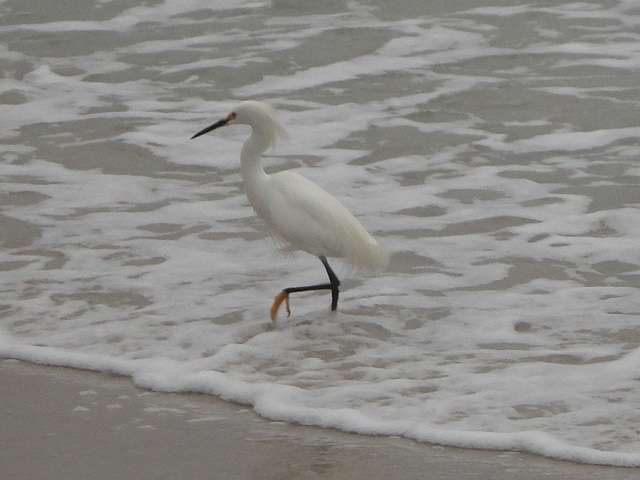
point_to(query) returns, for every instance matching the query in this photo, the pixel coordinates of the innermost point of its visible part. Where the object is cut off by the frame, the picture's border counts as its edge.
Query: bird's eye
(232, 116)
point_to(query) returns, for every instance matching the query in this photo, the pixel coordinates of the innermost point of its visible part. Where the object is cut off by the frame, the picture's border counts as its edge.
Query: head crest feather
(261, 116)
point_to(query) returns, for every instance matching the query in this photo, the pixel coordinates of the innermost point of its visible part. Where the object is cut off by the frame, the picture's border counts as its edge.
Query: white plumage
(305, 216)
(295, 209)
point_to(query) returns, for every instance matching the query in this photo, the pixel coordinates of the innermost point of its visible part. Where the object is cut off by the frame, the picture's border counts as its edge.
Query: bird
(297, 211)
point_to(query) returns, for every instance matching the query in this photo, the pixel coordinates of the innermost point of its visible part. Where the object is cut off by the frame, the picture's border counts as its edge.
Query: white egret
(296, 210)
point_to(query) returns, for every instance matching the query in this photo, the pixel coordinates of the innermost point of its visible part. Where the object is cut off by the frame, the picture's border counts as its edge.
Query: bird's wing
(312, 220)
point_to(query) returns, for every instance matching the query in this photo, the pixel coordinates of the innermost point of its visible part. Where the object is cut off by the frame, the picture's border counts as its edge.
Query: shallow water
(493, 148)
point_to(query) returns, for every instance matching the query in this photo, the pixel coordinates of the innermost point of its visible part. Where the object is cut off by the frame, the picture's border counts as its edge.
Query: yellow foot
(281, 297)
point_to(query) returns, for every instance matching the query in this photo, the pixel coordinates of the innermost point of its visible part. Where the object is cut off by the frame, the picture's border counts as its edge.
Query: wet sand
(65, 424)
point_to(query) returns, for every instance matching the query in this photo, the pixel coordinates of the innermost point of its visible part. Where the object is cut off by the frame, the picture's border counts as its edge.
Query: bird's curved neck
(256, 144)
(250, 164)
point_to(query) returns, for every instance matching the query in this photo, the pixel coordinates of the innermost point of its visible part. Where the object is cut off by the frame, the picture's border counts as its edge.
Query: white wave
(493, 150)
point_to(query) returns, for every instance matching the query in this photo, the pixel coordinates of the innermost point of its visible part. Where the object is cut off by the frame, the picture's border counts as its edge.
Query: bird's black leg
(333, 285)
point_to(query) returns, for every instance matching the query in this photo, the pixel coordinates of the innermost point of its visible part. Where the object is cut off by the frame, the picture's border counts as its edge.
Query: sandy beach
(67, 424)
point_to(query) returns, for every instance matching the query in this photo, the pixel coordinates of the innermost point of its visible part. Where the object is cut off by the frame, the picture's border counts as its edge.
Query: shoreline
(61, 423)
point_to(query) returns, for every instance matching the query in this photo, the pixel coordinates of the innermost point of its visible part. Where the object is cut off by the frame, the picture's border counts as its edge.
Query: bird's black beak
(218, 124)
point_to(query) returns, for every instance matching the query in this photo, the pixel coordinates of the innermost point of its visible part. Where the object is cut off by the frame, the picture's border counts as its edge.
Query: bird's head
(258, 115)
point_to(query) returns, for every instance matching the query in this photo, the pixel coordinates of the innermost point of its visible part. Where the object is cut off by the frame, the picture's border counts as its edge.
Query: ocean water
(492, 146)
